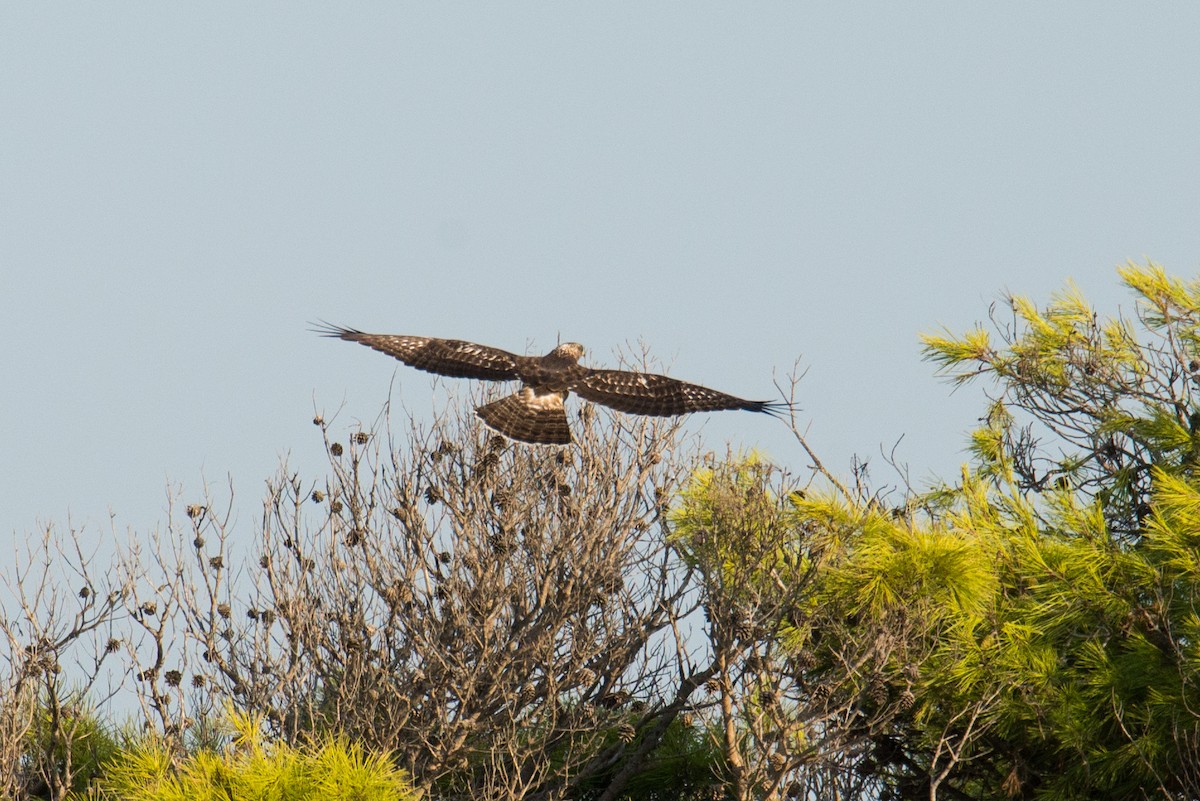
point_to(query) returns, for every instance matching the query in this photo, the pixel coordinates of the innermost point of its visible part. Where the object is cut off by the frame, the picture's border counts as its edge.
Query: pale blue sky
(738, 185)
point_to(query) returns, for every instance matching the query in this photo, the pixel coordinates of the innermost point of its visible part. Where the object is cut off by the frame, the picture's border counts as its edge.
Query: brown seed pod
(877, 689)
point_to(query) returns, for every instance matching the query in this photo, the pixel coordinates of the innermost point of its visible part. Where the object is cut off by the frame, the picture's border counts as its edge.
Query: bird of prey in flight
(535, 413)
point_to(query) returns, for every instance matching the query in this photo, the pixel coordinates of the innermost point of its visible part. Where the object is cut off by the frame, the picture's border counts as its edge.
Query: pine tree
(1085, 487)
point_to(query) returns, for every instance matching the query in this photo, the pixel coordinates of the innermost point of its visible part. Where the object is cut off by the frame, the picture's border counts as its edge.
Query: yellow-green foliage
(892, 562)
(251, 769)
(1085, 491)
(1164, 301)
(1043, 610)
(1066, 344)
(1174, 528)
(949, 351)
(729, 521)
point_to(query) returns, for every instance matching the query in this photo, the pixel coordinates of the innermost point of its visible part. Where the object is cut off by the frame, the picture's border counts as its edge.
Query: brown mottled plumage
(535, 413)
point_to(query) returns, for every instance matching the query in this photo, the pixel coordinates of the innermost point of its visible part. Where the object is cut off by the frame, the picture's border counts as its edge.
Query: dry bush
(500, 616)
(57, 644)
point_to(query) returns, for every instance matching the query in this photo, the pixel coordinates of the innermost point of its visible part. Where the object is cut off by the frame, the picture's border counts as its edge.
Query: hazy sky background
(739, 185)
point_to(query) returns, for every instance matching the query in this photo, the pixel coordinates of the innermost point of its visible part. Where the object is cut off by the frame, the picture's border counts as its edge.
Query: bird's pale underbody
(535, 413)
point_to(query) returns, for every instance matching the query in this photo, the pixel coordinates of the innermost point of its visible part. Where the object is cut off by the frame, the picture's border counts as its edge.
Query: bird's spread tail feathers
(780, 410)
(527, 416)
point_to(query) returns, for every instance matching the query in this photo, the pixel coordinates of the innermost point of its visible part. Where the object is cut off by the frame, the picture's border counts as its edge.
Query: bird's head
(568, 350)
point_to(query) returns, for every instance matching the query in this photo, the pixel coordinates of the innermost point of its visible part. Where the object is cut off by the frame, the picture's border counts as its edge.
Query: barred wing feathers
(448, 357)
(648, 393)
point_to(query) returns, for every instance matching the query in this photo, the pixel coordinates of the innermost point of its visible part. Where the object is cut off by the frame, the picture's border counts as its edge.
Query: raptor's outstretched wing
(648, 393)
(450, 357)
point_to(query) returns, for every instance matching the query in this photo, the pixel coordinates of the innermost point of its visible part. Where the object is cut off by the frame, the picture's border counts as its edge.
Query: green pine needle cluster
(250, 769)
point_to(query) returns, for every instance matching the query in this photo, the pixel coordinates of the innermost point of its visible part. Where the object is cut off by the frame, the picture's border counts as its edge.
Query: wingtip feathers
(336, 331)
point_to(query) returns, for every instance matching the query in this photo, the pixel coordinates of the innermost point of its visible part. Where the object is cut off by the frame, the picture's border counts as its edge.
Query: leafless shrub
(491, 613)
(48, 738)
(180, 598)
